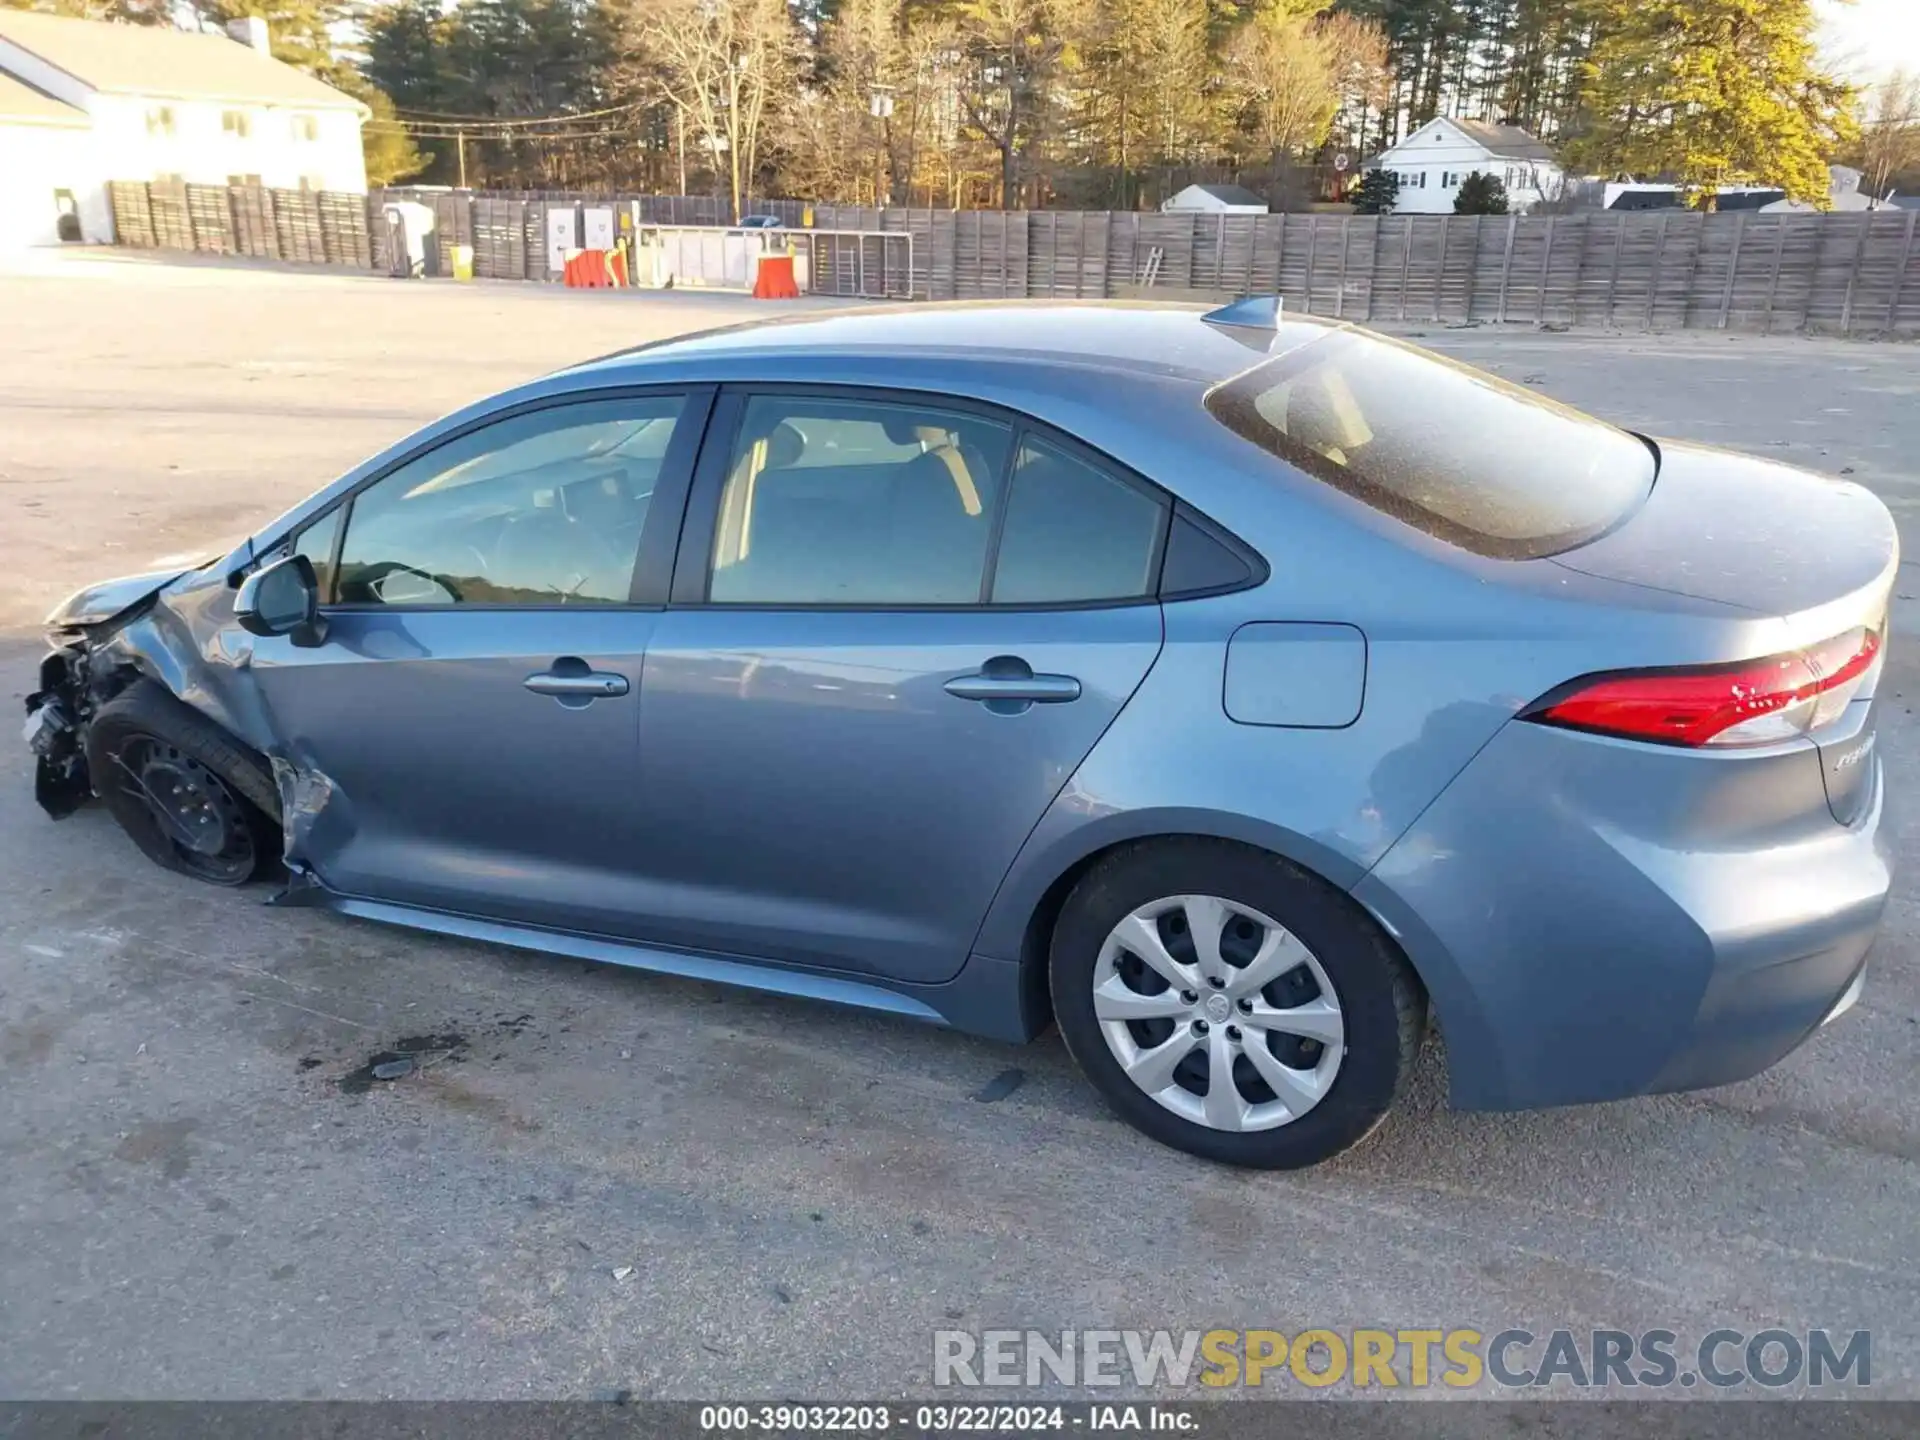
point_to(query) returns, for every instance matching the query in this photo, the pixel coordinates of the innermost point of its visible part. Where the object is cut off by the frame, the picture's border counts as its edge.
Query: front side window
(1453, 451)
(235, 123)
(160, 120)
(831, 502)
(305, 127)
(543, 508)
(316, 543)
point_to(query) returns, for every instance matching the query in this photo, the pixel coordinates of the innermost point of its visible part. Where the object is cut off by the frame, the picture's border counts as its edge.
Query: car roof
(1174, 343)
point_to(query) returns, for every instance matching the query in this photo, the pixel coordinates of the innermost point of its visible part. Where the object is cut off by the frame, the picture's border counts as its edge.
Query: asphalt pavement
(596, 1180)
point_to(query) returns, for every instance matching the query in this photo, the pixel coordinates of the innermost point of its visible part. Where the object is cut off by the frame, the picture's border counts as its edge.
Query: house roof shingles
(1509, 141)
(21, 102)
(166, 63)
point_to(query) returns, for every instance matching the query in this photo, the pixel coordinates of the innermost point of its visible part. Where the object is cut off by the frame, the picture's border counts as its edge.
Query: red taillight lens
(1752, 702)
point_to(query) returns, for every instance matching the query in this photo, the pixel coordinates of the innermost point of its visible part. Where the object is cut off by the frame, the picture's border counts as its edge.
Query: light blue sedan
(1235, 692)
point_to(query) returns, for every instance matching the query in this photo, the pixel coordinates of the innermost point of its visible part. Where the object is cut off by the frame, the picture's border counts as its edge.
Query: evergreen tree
(1377, 193)
(1481, 194)
(1713, 92)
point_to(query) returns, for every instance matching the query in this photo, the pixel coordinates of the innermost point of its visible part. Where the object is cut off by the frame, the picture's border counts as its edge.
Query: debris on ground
(409, 1054)
(621, 1272)
(1000, 1087)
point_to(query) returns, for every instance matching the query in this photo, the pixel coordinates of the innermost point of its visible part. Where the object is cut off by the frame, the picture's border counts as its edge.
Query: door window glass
(316, 543)
(544, 508)
(1074, 533)
(831, 502)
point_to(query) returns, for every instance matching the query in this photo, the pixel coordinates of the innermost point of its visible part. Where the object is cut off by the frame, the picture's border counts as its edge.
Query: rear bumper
(1594, 922)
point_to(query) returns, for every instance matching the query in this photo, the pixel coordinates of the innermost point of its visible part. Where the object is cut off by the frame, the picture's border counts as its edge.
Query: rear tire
(1202, 1084)
(186, 792)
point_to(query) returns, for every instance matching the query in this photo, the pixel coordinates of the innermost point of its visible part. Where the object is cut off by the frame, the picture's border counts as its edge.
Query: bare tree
(724, 65)
(1013, 52)
(1890, 132)
(1291, 72)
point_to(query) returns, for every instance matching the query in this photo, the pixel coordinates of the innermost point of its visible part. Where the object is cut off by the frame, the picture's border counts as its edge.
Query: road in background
(604, 1180)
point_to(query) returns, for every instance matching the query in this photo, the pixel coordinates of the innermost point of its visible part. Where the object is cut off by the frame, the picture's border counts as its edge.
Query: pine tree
(1712, 92)
(1481, 194)
(1377, 193)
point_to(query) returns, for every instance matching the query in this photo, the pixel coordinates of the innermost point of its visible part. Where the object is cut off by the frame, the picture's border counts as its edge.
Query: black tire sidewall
(145, 711)
(1349, 946)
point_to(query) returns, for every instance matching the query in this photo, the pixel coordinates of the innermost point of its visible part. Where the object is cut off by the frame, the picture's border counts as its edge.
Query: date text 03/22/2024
(946, 1419)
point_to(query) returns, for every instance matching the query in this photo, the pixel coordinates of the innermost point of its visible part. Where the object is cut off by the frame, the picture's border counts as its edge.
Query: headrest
(785, 446)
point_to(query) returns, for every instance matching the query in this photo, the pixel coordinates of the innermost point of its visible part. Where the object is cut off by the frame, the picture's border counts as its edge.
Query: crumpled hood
(107, 598)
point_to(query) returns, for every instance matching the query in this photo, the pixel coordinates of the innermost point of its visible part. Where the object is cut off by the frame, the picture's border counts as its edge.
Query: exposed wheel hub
(1219, 1013)
(191, 810)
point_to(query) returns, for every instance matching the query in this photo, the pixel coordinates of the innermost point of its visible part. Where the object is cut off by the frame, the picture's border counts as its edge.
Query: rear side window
(1074, 534)
(1467, 458)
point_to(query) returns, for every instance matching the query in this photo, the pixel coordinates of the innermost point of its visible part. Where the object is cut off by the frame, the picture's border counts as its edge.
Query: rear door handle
(1009, 679)
(573, 683)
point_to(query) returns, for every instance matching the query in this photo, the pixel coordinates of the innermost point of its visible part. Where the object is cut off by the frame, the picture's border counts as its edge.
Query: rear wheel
(1231, 1005)
(191, 797)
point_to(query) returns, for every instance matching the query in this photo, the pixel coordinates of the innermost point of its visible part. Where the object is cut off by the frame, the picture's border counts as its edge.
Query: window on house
(234, 123)
(160, 120)
(1423, 179)
(305, 127)
(313, 184)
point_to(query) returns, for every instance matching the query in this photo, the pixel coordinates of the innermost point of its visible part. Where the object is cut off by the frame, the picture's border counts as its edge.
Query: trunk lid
(1818, 554)
(1749, 532)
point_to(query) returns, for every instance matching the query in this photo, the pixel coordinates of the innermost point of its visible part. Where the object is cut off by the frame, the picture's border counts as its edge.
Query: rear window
(1467, 458)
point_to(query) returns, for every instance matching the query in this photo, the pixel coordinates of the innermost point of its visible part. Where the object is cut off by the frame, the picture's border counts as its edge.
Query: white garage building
(85, 102)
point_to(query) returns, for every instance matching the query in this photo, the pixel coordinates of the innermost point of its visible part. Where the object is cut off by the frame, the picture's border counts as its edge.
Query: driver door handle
(571, 679)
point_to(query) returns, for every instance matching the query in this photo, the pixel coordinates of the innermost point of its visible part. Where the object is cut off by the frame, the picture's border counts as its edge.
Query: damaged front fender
(56, 713)
(172, 628)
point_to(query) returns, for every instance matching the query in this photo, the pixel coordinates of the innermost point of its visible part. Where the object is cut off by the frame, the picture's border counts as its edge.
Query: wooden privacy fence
(1856, 272)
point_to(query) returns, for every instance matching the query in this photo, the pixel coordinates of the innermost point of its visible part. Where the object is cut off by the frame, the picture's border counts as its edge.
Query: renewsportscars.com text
(1459, 1359)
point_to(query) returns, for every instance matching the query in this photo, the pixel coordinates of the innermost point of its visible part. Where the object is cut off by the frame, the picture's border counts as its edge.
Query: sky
(1869, 38)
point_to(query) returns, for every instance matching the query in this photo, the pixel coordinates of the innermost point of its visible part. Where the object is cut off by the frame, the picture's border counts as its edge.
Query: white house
(1434, 160)
(1215, 200)
(86, 102)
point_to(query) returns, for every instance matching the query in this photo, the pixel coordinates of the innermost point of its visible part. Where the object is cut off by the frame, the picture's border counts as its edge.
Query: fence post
(1853, 274)
(1546, 275)
(1506, 271)
(1773, 281)
(1733, 269)
(1900, 275)
(1406, 260)
(1280, 254)
(1340, 284)
(1659, 259)
(1313, 235)
(1613, 282)
(1440, 270)
(1693, 271)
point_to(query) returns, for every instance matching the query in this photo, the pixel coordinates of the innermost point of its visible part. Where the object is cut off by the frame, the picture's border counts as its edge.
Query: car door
(468, 725)
(899, 625)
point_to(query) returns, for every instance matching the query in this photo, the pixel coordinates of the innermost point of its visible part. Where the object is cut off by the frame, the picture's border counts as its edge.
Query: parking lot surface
(603, 1180)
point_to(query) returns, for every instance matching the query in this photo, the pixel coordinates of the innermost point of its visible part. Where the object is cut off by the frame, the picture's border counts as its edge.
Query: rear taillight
(1751, 702)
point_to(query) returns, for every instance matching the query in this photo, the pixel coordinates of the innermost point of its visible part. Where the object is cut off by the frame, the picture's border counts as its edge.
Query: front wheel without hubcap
(1232, 1005)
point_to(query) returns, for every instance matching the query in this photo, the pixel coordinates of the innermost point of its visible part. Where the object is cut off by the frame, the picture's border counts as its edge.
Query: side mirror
(282, 599)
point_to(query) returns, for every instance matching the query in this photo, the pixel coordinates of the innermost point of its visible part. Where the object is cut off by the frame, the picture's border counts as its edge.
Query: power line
(491, 122)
